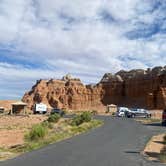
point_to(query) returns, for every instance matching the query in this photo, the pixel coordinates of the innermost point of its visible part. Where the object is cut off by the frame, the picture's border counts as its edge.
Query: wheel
(133, 116)
(163, 123)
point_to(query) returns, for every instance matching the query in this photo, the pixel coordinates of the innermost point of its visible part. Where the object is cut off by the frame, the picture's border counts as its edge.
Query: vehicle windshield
(134, 109)
(55, 110)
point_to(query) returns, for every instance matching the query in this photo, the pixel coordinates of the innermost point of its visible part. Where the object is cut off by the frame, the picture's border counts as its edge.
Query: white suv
(122, 111)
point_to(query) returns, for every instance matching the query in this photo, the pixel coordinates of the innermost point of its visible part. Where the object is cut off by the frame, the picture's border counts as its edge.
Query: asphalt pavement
(117, 143)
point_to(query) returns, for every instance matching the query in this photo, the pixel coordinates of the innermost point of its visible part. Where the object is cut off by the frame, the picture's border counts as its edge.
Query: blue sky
(50, 38)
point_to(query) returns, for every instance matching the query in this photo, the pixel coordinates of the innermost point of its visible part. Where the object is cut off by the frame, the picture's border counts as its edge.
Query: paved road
(117, 143)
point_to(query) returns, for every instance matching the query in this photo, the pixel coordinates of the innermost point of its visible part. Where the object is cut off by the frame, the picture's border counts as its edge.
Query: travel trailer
(40, 108)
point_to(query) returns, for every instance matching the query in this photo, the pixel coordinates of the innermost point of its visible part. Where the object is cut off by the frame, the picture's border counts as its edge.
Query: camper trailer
(40, 108)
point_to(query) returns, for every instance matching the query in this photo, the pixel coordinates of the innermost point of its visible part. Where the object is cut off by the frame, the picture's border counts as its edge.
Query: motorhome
(40, 108)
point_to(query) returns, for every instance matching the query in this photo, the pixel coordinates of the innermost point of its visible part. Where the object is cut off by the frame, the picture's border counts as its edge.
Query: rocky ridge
(135, 88)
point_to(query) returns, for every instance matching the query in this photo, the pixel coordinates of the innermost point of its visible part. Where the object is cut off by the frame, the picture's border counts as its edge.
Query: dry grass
(14, 143)
(13, 128)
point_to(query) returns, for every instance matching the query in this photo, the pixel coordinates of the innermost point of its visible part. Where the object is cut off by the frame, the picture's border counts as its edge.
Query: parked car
(57, 111)
(132, 113)
(122, 111)
(164, 118)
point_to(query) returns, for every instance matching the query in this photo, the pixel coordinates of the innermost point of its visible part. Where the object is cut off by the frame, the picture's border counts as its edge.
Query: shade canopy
(19, 103)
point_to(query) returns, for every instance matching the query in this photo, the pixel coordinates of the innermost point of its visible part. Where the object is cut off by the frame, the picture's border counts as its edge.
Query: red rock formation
(68, 93)
(135, 88)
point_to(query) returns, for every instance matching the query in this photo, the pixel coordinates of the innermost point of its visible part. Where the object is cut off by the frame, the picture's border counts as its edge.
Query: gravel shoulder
(154, 147)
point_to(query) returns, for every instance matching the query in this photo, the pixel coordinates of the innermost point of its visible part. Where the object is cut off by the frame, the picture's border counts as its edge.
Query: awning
(19, 103)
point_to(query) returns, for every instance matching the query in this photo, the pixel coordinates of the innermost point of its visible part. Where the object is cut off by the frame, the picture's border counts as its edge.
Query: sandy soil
(13, 128)
(6, 104)
(154, 147)
(11, 138)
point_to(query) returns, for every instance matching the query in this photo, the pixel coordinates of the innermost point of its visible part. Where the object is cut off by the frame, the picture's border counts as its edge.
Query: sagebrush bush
(86, 116)
(47, 124)
(162, 158)
(113, 114)
(37, 132)
(94, 112)
(79, 119)
(53, 118)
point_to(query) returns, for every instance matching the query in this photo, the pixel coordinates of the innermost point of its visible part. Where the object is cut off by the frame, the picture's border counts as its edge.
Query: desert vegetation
(52, 129)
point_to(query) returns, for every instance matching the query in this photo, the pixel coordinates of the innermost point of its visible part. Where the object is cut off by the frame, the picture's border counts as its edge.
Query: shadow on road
(154, 124)
(160, 142)
(133, 152)
(153, 154)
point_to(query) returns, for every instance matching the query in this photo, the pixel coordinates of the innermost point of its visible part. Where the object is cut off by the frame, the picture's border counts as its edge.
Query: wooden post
(25, 110)
(11, 112)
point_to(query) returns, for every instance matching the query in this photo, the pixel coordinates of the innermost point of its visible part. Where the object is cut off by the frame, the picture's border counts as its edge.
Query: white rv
(40, 108)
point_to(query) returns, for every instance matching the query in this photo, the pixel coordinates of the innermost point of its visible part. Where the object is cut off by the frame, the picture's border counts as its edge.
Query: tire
(132, 116)
(163, 123)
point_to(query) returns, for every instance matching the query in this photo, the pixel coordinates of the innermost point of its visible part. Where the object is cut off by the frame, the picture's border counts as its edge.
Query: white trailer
(40, 108)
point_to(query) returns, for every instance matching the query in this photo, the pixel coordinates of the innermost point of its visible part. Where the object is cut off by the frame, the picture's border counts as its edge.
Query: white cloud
(76, 37)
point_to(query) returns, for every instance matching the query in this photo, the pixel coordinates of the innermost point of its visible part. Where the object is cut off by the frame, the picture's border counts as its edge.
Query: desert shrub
(64, 111)
(94, 112)
(86, 116)
(79, 119)
(162, 157)
(47, 124)
(113, 114)
(53, 118)
(37, 132)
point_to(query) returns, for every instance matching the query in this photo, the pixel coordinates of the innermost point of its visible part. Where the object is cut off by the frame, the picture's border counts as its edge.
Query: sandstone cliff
(66, 93)
(135, 88)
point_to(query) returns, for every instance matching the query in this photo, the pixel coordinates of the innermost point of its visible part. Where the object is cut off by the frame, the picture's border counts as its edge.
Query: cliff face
(69, 94)
(135, 88)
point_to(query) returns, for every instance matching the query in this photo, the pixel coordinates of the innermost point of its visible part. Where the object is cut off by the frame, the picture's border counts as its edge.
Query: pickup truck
(57, 111)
